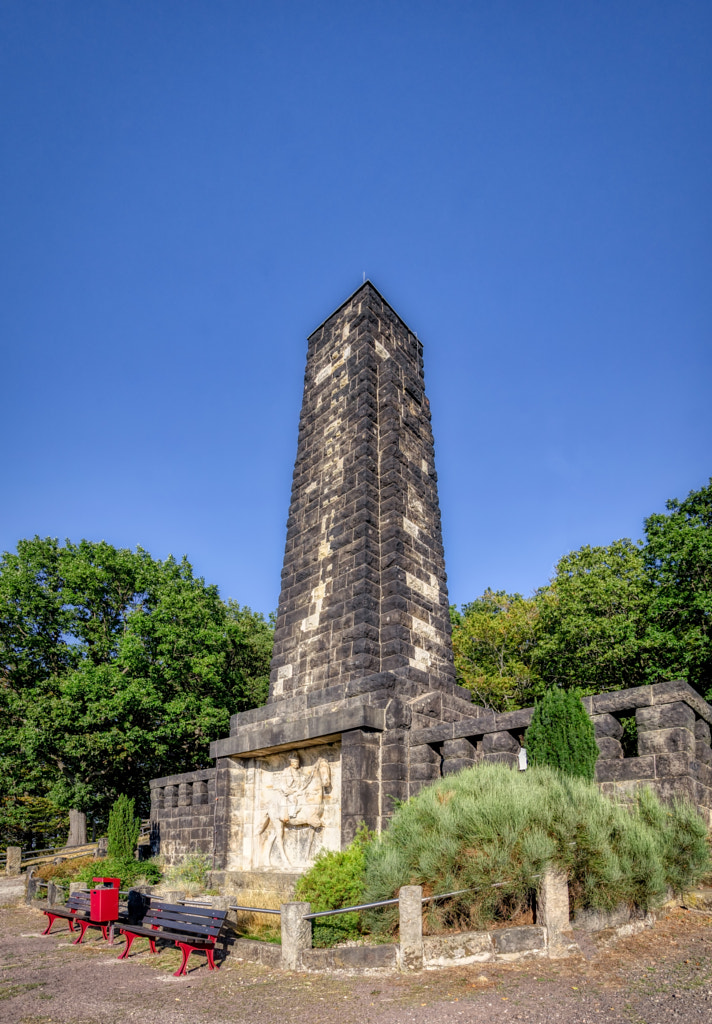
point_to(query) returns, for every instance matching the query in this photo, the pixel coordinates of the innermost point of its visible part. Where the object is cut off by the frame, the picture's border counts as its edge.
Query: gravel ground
(663, 974)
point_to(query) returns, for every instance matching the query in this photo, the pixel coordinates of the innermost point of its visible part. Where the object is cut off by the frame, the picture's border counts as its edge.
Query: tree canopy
(116, 668)
(611, 617)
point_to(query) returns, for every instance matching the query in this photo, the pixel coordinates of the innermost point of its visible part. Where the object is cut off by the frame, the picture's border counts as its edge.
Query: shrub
(561, 734)
(67, 869)
(191, 872)
(489, 824)
(124, 828)
(335, 880)
(131, 872)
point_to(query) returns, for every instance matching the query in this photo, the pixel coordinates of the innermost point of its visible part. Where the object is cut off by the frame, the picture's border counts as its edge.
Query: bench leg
(211, 962)
(129, 940)
(83, 925)
(186, 950)
(52, 919)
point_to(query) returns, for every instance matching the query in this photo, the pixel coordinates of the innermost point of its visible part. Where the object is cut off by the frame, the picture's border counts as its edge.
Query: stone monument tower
(363, 705)
(362, 648)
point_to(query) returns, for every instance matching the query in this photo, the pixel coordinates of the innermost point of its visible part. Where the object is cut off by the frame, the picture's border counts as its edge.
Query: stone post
(553, 910)
(77, 887)
(54, 894)
(410, 927)
(296, 934)
(14, 860)
(30, 886)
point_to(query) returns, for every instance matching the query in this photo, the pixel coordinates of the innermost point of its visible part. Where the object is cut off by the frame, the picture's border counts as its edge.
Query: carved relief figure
(297, 800)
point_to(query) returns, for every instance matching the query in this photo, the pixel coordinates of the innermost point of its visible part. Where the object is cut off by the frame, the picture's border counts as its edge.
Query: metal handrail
(259, 910)
(389, 903)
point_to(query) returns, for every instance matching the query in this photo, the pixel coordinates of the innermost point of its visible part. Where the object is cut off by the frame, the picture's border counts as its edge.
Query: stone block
(702, 731)
(452, 765)
(528, 939)
(607, 725)
(627, 769)
(426, 771)
(422, 754)
(703, 752)
(467, 947)
(672, 765)
(461, 747)
(609, 747)
(665, 716)
(666, 741)
(501, 757)
(499, 742)
(622, 700)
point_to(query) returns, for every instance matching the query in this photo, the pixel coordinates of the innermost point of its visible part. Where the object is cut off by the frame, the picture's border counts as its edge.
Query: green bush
(561, 734)
(131, 872)
(124, 828)
(336, 879)
(489, 824)
(191, 872)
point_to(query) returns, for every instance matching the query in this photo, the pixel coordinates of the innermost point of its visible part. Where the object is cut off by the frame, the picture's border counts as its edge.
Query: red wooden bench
(76, 912)
(192, 929)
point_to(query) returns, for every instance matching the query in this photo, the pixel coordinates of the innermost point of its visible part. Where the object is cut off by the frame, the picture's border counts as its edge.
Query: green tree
(493, 642)
(124, 829)
(678, 561)
(115, 668)
(561, 734)
(594, 630)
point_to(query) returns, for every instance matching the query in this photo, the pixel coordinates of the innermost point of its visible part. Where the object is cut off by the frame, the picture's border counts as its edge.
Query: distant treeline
(611, 617)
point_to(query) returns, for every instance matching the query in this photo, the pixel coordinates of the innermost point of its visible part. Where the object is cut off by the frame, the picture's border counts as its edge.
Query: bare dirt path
(659, 976)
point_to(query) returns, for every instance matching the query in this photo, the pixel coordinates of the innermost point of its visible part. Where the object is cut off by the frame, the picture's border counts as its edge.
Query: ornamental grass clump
(489, 825)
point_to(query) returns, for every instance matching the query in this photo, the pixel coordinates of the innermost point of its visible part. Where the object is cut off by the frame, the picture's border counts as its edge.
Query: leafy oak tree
(678, 561)
(594, 622)
(493, 641)
(115, 668)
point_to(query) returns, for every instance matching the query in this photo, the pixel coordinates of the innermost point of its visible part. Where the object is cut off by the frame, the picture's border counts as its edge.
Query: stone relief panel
(285, 808)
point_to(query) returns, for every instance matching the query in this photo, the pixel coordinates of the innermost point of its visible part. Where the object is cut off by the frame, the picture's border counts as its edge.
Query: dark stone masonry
(363, 696)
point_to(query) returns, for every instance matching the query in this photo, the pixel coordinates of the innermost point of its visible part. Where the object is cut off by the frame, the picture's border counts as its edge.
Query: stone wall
(674, 756)
(183, 815)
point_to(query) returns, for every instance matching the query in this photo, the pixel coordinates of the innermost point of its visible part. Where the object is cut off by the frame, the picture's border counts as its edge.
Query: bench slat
(185, 927)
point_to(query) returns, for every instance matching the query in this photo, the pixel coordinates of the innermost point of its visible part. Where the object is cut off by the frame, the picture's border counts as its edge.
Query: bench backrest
(203, 923)
(79, 901)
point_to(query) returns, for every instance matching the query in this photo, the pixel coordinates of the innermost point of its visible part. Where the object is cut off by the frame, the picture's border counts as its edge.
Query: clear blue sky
(188, 189)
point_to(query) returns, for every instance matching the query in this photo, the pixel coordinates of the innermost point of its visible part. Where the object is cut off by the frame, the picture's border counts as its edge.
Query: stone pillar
(553, 911)
(170, 796)
(55, 895)
(296, 934)
(359, 782)
(14, 860)
(185, 794)
(410, 927)
(30, 887)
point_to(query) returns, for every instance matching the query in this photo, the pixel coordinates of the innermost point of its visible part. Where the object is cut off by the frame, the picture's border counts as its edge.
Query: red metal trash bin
(104, 905)
(113, 882)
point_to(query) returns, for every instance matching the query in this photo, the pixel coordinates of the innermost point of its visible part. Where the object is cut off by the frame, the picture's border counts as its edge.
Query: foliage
(594, 631)
(335, 880)
(678, 560)
(493, 639)
(116, 668)
(131, 872)
(32, 822)
(488, 825)
(190, 873)
(68, 868)
(561, 734)
(124, 828)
